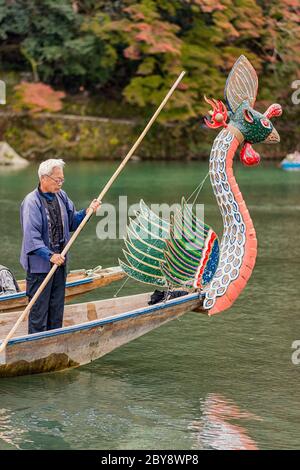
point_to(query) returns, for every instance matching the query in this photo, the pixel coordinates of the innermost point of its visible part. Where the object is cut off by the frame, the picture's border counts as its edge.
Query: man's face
(53, 183)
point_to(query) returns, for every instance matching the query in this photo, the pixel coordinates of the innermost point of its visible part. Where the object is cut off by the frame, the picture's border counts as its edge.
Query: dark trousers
(47, 312)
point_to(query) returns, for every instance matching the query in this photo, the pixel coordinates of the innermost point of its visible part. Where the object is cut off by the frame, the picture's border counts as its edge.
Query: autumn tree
(37, 97)
(136, 48)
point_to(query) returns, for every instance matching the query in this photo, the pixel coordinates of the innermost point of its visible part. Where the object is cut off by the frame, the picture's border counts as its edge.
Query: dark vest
(56, 230)
(3, 268)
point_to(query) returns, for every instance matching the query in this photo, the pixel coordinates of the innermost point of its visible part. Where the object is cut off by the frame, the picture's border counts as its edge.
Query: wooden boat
(291, 162)
(90, 331)
(78, 282)
(186, 256)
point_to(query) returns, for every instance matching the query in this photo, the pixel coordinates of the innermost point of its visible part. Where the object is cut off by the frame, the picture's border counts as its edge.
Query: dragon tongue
(248, 155)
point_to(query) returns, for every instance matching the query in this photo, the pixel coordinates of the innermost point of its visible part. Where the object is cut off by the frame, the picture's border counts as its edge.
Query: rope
(198, 189)
(122, 286)
(91, 272)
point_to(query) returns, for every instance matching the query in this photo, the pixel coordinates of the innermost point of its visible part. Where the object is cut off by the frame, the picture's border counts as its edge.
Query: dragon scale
(238, 244)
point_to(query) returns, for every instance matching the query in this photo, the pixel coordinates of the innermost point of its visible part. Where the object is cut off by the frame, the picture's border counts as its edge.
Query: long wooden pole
(89, 214)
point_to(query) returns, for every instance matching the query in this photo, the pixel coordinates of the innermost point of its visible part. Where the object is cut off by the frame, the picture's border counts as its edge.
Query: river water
(226, 382)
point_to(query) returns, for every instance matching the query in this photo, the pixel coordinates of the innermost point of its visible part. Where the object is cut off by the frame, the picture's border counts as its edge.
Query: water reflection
(215, 429)
(74, 409)
(99, 408)
(10, 435)
(144, 395)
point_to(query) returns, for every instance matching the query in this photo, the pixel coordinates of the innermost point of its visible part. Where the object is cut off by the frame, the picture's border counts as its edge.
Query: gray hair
(47, 167)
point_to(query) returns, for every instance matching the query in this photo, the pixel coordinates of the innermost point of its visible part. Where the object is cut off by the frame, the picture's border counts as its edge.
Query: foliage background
(119, 58)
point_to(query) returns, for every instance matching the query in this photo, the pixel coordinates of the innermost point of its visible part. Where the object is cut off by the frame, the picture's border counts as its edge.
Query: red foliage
(135, 13)
(147, 34)
(209, 6)
(132, 52)
(159, 36)
(38, 97)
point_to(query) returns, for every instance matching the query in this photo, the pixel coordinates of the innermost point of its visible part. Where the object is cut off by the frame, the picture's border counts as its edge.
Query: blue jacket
(35, 229)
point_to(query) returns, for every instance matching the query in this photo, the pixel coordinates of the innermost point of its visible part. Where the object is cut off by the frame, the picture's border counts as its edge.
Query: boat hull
(80, 344)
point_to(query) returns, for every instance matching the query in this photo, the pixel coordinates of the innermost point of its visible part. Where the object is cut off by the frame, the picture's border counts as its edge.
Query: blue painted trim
(87, 280)
(290, 166)
(92, 324)
(19, 295)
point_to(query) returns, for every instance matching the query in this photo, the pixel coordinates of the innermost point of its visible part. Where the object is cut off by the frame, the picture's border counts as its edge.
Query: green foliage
(134, 49)
(154, 41)
(47, 36)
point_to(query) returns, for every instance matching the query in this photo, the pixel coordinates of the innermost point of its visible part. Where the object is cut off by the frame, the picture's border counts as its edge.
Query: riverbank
(78, 137)
(104, 127)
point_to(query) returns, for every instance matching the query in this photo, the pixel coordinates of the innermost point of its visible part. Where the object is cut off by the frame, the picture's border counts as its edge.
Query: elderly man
(47, 218)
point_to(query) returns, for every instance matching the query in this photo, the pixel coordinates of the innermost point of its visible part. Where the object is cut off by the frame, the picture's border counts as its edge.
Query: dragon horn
(275, 110)
(218, 114)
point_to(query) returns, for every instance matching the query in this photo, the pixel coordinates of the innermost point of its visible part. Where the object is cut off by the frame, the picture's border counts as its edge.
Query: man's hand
(94, 205)
(57, 259)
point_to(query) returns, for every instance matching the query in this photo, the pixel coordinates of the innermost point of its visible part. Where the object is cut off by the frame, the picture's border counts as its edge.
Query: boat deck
(78, 314)
(90, 331)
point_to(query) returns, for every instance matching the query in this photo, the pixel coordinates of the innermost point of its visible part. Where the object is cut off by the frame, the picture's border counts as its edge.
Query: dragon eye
(248, 116)
(266, 123)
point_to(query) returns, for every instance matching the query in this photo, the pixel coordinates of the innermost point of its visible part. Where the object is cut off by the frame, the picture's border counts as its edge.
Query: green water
(219, 383)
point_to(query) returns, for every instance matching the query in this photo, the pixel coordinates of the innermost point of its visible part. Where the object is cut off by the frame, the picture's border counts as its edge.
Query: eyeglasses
(57, 180)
